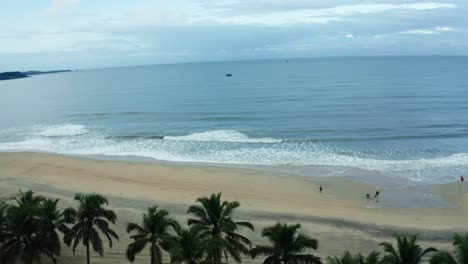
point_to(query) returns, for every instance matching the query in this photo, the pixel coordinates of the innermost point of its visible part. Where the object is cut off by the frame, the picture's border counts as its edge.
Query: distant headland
(18, 75)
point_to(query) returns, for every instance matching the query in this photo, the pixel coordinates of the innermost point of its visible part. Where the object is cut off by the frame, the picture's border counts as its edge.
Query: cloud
(268, 6)
(108, 32)
(419, 31)
(314, 15)
(232, 13)
(378, 8)
(444, 29)
(59, 7)
(435, 30)
(274, 19)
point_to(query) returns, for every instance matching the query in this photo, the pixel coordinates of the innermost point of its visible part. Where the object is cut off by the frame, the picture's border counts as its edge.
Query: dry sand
(340, 218)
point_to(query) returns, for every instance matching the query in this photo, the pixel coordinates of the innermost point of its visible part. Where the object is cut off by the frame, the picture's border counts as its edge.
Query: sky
(83, 34)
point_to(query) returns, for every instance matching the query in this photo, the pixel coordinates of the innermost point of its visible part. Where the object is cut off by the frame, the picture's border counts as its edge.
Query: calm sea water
(400, 117)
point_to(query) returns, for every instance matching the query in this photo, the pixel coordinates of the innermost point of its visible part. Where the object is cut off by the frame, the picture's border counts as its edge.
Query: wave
(132, 137)
(62, 130)
(109, 114)
(231, 147)
(434, 136)
(212, 152)
(222, 136)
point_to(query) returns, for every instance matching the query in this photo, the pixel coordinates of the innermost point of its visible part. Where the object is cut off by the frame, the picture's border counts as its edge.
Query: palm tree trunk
(152, 251)
(87, 252)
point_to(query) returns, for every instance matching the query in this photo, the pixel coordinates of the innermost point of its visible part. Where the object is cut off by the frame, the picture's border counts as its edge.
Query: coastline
(340, 211)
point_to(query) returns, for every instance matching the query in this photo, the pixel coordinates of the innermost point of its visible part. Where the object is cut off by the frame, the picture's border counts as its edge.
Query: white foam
(216, 147)
(222, 136)
(62, 130)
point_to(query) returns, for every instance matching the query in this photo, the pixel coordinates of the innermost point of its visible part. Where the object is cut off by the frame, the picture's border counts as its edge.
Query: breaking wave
(223, 146)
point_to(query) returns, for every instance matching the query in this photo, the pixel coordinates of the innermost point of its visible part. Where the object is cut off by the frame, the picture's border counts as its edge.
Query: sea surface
(402, 119)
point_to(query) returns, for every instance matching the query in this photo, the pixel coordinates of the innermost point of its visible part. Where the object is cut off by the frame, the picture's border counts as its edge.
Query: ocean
(402, 119)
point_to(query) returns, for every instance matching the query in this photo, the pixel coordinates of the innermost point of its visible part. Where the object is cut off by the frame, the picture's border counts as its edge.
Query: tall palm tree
(26, 235)
(287, 246)
(461, 252)
(154, 230)
(187, 247)
(90, 218)
(53, 220)
(407, 251)
(3, 221)
(347, 258)
(213, 218)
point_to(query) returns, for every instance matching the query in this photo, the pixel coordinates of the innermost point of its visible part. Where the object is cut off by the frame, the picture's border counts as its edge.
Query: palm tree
(287, 246)
(54, 220)
(407, 251)
(91, 217)
(372, 258)
(213, 219)
(461, 252)
(187, 247)
(3, 221)
(154, 231)
(3, 225)
(25, 234)
(347, 258)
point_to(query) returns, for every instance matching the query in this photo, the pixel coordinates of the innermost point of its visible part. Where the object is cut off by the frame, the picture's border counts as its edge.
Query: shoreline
(265, 197)
(371, 177)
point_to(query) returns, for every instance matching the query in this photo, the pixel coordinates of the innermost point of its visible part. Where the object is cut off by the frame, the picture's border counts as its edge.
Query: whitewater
(228, 147)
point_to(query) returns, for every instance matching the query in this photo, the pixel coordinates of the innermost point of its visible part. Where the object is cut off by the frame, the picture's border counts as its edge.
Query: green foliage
(348, 258)
(90, 218)
(213, 219)
(30, 225)
(288, 246)
(372, 258)
(28, 229)
(153, 231)
(187, 247)
(406, 252)
(461, 252)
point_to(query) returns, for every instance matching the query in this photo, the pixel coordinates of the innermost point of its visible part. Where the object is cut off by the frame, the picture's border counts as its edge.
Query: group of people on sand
(377, 193)
(376, 196)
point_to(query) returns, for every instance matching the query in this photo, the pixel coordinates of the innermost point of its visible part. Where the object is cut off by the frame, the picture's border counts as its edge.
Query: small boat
(228, 75)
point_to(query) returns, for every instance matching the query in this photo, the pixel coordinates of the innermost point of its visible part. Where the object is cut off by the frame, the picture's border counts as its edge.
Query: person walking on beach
(376, 196)
(320, 188)
(462, 179)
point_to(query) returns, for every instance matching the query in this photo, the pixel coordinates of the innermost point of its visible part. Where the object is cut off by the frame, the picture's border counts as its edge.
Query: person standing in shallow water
(376, 196)
(462, 179)
(320, 188)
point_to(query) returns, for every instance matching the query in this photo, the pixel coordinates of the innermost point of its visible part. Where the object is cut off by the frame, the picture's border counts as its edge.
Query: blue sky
(79, 34)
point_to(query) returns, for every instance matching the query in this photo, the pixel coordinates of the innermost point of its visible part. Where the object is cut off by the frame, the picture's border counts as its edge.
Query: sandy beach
(340, 217)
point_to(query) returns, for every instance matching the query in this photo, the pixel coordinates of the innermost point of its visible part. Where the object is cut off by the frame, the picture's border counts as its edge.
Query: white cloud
(435, 30)
(59, 7)
(444, 29)
(419, 31)
(217, 14)
(274, 19)
(317, 15)
(378, 8)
